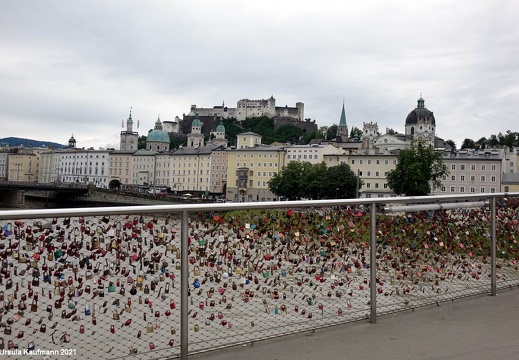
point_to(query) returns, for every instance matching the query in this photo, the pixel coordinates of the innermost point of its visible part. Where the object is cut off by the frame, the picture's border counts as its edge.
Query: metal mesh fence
(109, 287)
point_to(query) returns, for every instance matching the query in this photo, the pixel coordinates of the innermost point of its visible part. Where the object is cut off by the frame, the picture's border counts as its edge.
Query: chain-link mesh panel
(109, 287)
(266, 274)
(99, 287)
(429, 258)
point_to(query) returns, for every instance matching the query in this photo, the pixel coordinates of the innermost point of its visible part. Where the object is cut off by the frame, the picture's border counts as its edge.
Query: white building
(311, 153)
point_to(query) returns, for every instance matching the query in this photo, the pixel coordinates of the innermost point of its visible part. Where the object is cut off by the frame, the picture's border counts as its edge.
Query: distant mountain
(14, 141)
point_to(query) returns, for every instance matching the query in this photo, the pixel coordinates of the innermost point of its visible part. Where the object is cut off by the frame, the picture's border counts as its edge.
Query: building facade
(129, 138)
(250, 167)
(473, 171)
(246, 108)
(121, 168)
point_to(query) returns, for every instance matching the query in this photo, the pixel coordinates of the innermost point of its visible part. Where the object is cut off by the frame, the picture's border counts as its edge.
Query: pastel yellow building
(250, 167)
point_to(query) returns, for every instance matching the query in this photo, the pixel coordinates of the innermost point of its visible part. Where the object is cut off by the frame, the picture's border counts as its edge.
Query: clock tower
(129, 137)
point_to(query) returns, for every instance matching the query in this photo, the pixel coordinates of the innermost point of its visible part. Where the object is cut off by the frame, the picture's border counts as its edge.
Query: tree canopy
(304, 180)
(417, 168)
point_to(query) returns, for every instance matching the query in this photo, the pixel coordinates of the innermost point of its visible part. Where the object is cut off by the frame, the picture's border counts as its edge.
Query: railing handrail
(178, 208)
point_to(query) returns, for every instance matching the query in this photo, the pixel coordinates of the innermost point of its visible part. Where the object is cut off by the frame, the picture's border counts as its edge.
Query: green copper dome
(196, 122)
(220, 128)
(157, 134)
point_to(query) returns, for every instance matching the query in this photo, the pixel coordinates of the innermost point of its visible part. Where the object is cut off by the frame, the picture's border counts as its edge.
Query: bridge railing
(169, 280)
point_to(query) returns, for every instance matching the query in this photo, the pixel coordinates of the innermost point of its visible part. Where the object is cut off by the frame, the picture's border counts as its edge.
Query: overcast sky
(78, 66)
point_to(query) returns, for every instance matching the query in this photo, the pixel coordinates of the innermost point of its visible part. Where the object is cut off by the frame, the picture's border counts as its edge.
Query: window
(492, 190)
(462, 177)
(493, 178)
(472, 178)
(376, 185)
(462, 167)
(377, 173)
(386, 162)
(352, 161)
(472, 189)
(453, 189)
(369, 173)
(369, 162)
(483, 167)
(462, 189)
(482, 190)
(360, 162)
(378, 162)
(473, 167)
(444, 177)
(453, 167)
(443, 188)
(507, 188)
(493, 167)
(368, 185)
(453, 177)
(483, 178)
(386, 186)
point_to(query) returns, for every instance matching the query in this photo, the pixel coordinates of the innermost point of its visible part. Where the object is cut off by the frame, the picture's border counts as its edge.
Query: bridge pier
(12, 199)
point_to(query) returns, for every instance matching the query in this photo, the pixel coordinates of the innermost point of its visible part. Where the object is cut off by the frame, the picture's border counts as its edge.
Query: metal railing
(102, 282)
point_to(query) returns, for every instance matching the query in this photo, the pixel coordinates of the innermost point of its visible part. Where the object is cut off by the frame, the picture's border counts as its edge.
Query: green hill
(15, 141)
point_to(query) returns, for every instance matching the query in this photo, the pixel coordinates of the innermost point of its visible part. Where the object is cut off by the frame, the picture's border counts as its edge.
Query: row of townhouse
(242, 173)
(470, 171)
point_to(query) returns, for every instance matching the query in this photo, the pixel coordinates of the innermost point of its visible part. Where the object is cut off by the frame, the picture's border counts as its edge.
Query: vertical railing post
(373, 264)
(493, 284)
(184, 287)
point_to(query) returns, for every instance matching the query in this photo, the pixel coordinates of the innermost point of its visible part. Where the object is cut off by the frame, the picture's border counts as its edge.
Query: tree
(331, 132)
(391, 131)
(493, 141)
(310, 135)
(340, 183)
(451, 143)
(141, 142)
(288, 181)
(468, 144)
(323, 130)
(355, 132)
(304, 180)
(417, 168)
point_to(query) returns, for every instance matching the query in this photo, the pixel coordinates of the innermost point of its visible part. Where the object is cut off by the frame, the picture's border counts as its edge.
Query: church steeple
(158, 123)
(342, 129)
(421, 102)
(129, 122)
(72, 142)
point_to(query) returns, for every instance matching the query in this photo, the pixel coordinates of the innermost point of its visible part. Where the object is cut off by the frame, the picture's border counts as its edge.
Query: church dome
(220, 128)
(196, 122)
(157, 134)
(419, 113)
